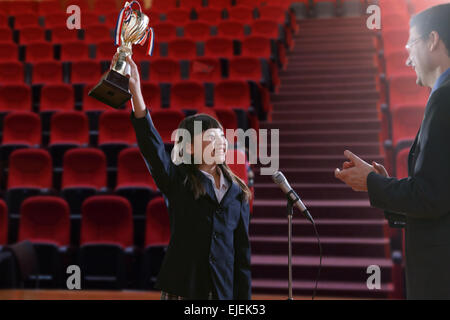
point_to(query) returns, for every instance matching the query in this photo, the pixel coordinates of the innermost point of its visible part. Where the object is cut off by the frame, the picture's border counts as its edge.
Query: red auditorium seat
(21, 6)
(248, 3)
(394, 21)
(166, 122)
(84, 174)
(26, 20)
(152, 95)
(393, 6)
(69, 129)
(57, 97)
(4, 21)
(190, 4)
(132, 171)
(88, 20)
(205, 70)
(266, 28)
(134, 181)
(401, 162)
(178, 17)
(274, 13)
(105, 6)
(165, 70)
(395, 40)
(257, 46)
(420, 5)
(140, 53)
(241, 13)
(11, 73)
(49, 72)
(97, 32)
(6, 35)
(182, 49)
(165, 31)
(245, 68)
(115, 129)
(83, 4)
(219, 4)
(3, 223)
(406, 121)
(30, 168)
(53, 20)
(395, 64)
(210, 15)
(9, 52)
(62, 34)
(85, 71)
(157, 223)
(105, 50)
(403, 90)
(231, 29)
(163, 5)
(74, 51)
(157, 237)
(218, 47)
(31, 34)
(45, 219)
(39, 51)
(197, 31)
(84, 167)
(115, 133)
(48, 7)
(232, 94)
(21, 129)
(19, 101)
(106, 231)
(227, 118)
(4, 7)
(30, 173)
(187, 95)
(107, 219)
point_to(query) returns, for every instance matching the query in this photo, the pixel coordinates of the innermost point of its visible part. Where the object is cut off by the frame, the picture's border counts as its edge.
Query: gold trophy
(132, 28)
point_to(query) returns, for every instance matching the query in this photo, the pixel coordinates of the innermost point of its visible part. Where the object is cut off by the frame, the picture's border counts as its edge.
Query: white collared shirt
(224, 184)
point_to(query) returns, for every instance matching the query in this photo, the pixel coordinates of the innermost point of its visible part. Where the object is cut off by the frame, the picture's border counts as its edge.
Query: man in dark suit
(421, 202)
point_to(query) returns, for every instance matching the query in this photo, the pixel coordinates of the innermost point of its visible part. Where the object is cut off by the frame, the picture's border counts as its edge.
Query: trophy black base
(112, 90)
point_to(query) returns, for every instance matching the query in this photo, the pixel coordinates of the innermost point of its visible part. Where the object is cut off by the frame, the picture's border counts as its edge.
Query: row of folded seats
(109, 233)
(105, 251)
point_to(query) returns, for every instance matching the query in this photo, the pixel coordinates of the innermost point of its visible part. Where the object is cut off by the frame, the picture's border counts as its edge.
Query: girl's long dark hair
(192, 179)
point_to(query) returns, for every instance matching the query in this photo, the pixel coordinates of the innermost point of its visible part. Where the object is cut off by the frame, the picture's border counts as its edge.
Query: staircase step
(327, 105)
(330, 95)
(289, 88)
(325, 79)
(266, 227)
(314, 191)
(308, 125)
(303, 175)
(319, 209)
(333, 268)
(325, 288)
(325, 148)
(308, 246)
(323, 115)
(326, 134)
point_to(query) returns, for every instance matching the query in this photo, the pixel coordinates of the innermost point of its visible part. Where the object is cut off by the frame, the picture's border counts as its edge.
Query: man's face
(417, 58)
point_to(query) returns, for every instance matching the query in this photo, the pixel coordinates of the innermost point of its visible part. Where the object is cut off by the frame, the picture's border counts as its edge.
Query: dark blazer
(209, 247)
(421, 202)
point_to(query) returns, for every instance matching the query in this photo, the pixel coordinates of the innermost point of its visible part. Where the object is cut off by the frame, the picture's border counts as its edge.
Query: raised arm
(149, 141)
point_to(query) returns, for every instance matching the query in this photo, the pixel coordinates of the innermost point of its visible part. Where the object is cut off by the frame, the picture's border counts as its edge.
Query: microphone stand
(290, 205)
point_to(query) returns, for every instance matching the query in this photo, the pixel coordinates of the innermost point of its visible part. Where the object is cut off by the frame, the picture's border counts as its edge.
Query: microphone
(293, 197)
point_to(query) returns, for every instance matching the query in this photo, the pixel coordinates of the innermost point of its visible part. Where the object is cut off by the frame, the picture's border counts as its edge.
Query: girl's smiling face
(213, 146)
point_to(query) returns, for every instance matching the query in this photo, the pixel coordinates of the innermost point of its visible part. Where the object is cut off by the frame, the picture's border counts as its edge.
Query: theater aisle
(327, 103)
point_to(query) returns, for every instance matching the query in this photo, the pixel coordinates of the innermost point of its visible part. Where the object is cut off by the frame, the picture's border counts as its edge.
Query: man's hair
(437, 19)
